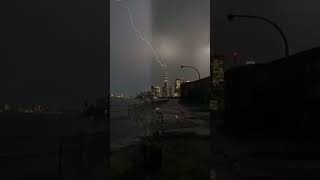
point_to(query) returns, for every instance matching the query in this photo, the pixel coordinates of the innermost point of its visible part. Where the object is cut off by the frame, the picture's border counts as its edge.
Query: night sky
(181, 34)
(180, 31)
(130, 58)
(53, 52)
(255, 40)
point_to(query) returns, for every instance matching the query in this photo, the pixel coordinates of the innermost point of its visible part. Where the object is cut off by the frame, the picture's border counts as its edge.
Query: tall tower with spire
(165, 88)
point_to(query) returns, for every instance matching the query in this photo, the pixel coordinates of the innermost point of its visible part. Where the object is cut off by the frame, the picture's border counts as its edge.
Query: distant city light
(120, 95)
(235, 54)
(250, 62)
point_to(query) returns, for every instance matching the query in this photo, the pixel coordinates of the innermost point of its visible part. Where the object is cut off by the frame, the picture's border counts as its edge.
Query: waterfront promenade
(186, 152)
(184, 142)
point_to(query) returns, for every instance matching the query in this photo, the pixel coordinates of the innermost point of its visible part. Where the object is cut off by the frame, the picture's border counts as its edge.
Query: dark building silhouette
(280, 97)
(195, 92)
(199, 91)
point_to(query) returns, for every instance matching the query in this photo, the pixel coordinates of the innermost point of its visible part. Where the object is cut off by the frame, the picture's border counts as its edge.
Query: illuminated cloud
(168, 48)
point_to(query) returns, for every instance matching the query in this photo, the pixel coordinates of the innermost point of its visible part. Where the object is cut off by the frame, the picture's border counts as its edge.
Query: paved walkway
(252, 157)
(264, 158)
(276, 161)
(177, 118)
(185, 154)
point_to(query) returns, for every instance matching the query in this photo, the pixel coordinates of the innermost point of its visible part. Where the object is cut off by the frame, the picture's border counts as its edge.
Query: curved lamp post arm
(193, 69)
(233, 16)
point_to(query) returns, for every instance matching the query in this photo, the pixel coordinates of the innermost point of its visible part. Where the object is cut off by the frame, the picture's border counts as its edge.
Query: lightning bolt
(125, 5)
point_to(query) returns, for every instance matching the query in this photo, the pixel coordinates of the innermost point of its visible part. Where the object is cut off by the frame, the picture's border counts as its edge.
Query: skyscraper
(217, 93)
(218, 70)
(165, 88)
(177, 88)
(156, 91)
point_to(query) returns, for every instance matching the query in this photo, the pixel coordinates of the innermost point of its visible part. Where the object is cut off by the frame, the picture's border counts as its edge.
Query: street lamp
(232, 17)
(193, 69)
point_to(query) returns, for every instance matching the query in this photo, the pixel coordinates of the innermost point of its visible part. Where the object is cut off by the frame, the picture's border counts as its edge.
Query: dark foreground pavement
(264, 156)
(185, 148)
(182, 158)
(186, 152)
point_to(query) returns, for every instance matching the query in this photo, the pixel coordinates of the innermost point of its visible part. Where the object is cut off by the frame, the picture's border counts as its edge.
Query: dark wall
(275, 97)
(196, 92)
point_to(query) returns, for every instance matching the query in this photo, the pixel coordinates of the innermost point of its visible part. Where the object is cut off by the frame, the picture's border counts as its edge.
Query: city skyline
(173, 37)
(63, 60)
(149, 17)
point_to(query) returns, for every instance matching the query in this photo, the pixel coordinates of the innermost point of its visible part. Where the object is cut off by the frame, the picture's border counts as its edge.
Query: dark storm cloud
(53, 52)
(179, 30)
(130, 57)
(181, 33)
